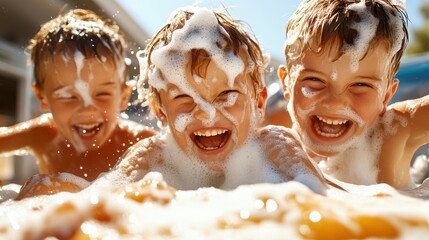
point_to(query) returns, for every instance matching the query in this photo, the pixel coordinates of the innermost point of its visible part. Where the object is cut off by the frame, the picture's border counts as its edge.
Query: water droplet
(315, 216)
(244, 214)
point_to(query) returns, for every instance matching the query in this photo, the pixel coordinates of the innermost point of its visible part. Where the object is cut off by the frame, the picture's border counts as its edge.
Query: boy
(80, 71)
(342, 57)
(205, 78)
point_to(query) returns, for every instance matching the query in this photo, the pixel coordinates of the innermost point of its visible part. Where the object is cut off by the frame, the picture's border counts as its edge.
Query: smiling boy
(205, 78)
(80, 71)
(342, 57)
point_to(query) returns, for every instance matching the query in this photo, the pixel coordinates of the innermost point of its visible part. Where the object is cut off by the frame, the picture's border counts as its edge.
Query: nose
(335, 100)
(87, 110)
(204, 113)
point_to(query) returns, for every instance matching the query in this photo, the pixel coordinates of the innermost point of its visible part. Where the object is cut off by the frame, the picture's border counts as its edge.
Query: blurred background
(140, 19)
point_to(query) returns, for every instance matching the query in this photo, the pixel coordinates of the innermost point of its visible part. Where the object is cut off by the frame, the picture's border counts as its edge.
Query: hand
(45, 184)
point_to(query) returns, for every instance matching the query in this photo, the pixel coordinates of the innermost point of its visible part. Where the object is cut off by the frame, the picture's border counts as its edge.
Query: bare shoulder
(146, 146)
(283, 148)
(135, 129)
(142, 157)
(279, 135)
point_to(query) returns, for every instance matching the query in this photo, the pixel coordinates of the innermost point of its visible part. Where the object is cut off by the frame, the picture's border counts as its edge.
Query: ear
(125, 97)
(389, 94)
(43, 101)
(159, 112)
(282, 73)
(262, 100)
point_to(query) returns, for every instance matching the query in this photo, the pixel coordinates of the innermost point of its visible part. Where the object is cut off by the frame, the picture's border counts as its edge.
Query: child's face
(213, 129)
(332, 103)
(85, 97)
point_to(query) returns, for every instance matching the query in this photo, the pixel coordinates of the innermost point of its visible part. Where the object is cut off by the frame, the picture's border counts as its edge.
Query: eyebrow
(61, 88)
(309, 70)
(377, 79)
(369, 77)
(107, 83)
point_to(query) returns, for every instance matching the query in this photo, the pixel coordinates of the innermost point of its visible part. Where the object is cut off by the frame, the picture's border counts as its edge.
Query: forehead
(214, 78)
(62, 69)
(374, 58)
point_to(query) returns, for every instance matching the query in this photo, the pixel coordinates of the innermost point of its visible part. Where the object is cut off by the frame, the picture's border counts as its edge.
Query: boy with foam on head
(342, 57)
(80, 72)
(205, 78)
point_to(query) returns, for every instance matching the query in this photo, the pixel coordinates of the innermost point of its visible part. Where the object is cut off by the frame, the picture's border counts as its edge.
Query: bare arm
(29, 134)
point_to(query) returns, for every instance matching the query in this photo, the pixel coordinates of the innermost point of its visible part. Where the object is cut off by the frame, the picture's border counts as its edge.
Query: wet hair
(77, 30)
(317, 25)
(237, 38)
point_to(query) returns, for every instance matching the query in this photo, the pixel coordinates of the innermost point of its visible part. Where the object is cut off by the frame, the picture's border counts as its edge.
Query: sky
(267, 19)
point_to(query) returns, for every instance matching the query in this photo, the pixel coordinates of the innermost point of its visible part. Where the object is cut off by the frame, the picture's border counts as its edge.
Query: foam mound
(151, 209)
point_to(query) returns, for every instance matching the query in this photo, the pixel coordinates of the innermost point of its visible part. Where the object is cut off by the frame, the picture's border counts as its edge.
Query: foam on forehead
(201, 31)
(367, 29)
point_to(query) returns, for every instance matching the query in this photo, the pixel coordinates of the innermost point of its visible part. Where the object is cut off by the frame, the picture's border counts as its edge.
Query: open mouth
(330, 128)
(87, 130)
(211, 139)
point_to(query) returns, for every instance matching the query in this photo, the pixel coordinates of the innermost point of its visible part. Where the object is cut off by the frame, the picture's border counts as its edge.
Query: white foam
(201, 31)
(81, 86)
(308, 92)
(182, 121)
(248, 164)
(334, 75)
(260, 211)
(366, 29)
(357, 161)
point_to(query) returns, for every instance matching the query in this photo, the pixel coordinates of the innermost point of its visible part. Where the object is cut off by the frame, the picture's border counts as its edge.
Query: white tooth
(209, 133)
(87, 126)
(328, 134)
(332, 122)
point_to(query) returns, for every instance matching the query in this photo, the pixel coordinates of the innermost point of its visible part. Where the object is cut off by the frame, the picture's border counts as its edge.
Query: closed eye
(226, 92)
(361, 84)
(66, 97)
(102, 94)
(227, 96)
(361, 87)
(182, 96)
(314, 83)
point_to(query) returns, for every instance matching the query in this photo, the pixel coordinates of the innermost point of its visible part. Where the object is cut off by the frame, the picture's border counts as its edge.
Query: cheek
(62, 117)
(301, 99)
(180, 138)
(242, 111)
(367, 106)
(368, 112)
